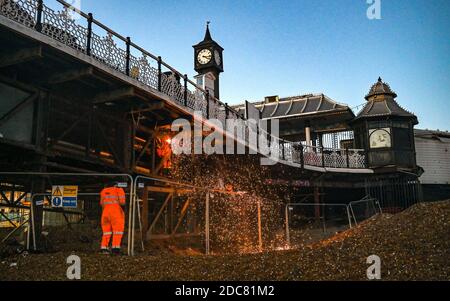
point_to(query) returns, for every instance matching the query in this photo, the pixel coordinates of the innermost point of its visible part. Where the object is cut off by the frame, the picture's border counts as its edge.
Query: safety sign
(65, 196)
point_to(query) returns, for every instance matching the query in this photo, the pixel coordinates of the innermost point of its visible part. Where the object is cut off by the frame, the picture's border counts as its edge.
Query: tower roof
(380, 88)
(298, 106)
(208, 40)
(381, 102)
(208, 37)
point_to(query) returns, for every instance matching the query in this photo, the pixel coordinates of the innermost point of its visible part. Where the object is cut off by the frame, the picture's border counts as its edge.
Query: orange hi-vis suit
(113, 217)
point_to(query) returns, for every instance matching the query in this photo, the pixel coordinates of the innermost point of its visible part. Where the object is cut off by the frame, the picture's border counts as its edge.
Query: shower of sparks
(234, 216)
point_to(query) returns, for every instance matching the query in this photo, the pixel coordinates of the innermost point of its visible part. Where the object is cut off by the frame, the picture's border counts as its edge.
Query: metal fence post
(207, 224)
(128, 57)
(159, 73)
(207, 104)
(288, 238)
(227, 111)
(33, 232)
(185, 77)
(366, 158)
(40, 8)
(347, 157)
(89, 34)
(323, 156)
(302, 156)
(260, 227)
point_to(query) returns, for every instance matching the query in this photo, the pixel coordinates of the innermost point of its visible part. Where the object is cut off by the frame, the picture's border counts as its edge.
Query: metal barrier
(317, 213)
(130, 182)
(364, 209)
(204, 191)
(48, 195)
(134, 210)
(356, 210)
(138, 181)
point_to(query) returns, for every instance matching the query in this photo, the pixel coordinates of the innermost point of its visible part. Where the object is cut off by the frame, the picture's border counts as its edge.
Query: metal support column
(207, 224)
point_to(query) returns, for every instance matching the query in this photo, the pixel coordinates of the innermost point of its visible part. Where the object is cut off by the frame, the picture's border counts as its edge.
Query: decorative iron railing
(89, 36)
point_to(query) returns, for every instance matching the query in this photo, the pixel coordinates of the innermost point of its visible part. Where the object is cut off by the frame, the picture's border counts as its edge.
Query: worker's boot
(104, 252)
(116, 252)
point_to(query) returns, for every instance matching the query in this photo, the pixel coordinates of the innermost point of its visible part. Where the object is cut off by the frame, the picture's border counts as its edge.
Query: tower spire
(207, 34)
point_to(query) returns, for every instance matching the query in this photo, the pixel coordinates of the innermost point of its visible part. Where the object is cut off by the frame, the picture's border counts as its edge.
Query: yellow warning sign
(70, 191)
(57, 191)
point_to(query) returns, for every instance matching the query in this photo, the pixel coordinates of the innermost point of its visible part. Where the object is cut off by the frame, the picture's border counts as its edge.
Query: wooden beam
(150, 139)
(117, 159)
(168, 190)
(183, 213)
(20, 198)
(111, 96)
(70, 75)
(145, 129)
(69, 129)
(20, 56)
(166, 201)
(7, 218)
(2, 194)
(151, 107)
(161, 164)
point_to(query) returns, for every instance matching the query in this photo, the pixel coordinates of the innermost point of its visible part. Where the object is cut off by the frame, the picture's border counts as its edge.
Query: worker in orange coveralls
(164, 151)
(113, 218)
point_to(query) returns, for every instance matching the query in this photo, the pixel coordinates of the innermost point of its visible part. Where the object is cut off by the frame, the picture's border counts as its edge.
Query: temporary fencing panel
(306, 223)
(74, 228)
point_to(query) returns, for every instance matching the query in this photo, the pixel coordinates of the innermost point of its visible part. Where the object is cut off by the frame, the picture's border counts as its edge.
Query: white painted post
(308, 136)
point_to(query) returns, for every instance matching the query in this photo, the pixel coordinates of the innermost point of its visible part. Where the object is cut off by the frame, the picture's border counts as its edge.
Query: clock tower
(208, 62)
(385, 130)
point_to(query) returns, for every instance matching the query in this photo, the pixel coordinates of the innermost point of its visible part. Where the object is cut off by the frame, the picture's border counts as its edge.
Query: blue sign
(56, 202)
(69, 202)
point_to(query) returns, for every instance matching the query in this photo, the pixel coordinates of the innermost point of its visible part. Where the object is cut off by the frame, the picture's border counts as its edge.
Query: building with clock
(383, 130)
(208, 57)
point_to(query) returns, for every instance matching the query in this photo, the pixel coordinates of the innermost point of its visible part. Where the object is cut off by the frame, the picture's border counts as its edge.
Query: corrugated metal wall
(433, 155)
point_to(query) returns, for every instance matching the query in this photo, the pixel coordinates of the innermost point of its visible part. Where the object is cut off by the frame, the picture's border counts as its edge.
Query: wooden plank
(20, 56)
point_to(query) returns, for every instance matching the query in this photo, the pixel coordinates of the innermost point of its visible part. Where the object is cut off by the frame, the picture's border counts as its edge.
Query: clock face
(204, 56)
(217, 57)
(380, 138)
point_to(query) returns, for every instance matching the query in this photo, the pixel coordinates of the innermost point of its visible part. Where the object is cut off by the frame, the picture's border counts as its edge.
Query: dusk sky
(297, 47)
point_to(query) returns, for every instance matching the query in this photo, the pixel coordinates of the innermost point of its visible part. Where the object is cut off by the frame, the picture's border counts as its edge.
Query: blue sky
(286, 48)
